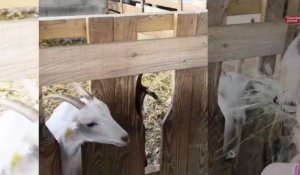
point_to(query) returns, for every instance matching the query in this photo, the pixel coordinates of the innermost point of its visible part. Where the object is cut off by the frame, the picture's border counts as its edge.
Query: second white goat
(75, 122)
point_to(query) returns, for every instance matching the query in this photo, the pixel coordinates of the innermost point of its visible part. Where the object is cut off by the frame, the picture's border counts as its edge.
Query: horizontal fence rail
(241, 41)
(19, 49)
(72, 27)
(93, 61)
(89, 62)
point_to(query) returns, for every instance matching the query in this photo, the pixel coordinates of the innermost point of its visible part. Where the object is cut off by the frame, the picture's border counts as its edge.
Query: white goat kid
(239, 92)
(292, 168)
(289, 102)
(77, 121)
(290, 77)
(19, 139)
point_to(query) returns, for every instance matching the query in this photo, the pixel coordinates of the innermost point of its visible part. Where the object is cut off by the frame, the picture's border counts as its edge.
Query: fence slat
(216, 16)
(119, 94)
(198, 132)
(49, 155)
(178, 143)
(271, 12)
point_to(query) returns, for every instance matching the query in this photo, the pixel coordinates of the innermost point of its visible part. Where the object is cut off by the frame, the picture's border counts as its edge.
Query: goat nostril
(125, 139)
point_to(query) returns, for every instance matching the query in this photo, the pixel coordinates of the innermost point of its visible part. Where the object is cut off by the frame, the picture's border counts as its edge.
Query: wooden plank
(121, 100)
(95, 160)
(49, 153)
(64, 28)
(216, 17)
(261, 39)
(99, 27)
(127, 8)
(152, 170)
(157, 22)
(88, 62)
(180, 148)
(19, 50)
(271, 12)
(164, 3)
(198, 130)
(70, 27)
(243, 7)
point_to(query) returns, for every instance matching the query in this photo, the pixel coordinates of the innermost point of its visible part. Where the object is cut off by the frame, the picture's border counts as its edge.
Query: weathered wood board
(184, 149)
(120, 95)
(19, 49)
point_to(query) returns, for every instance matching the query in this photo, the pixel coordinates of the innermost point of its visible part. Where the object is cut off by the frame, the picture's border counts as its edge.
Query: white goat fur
(19, 140)
(68, 125)
(291, 81)
(237, 93)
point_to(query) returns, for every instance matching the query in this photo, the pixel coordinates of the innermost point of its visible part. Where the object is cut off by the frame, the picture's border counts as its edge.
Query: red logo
(292, 19)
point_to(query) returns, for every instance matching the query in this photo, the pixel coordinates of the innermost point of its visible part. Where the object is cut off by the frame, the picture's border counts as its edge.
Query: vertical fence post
(49, 152)
(119, 94)
(272, 11)
(186, 115)
(216, 16)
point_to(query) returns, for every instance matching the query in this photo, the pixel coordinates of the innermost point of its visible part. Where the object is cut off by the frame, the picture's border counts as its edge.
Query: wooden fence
(149, 6)
(19, 50)
(233, 42)
(113, 58)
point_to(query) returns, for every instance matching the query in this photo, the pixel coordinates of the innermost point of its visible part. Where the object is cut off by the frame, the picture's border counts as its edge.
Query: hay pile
(15, 90)
(18, 13)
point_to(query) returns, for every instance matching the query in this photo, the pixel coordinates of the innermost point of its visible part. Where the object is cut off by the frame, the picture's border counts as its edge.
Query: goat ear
(81, 91)
(75, 102)
(27, 111)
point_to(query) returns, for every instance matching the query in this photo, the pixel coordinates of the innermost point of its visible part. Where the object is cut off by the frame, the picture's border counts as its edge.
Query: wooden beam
(127, 8)
(77, 63)
(19, 50)
(272, 11)
(216, 18)
(243, 7)
(64, 28)
(260, 39)
(70, 27)
(152, 170)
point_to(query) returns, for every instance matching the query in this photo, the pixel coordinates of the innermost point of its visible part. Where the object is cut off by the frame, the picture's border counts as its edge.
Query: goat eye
(91, 124)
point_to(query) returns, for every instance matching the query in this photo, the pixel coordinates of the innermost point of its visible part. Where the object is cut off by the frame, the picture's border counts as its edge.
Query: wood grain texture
(91, 62)
(100, 27)
(272, 11)
(198, 132)
(152, 170)
(119, 94)
(63, 28)
(182, 151)
(73, 27)
(19, 49)
(49, 156)
(127, 9)
(216, 17)
(261, 39)
(243, 7)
